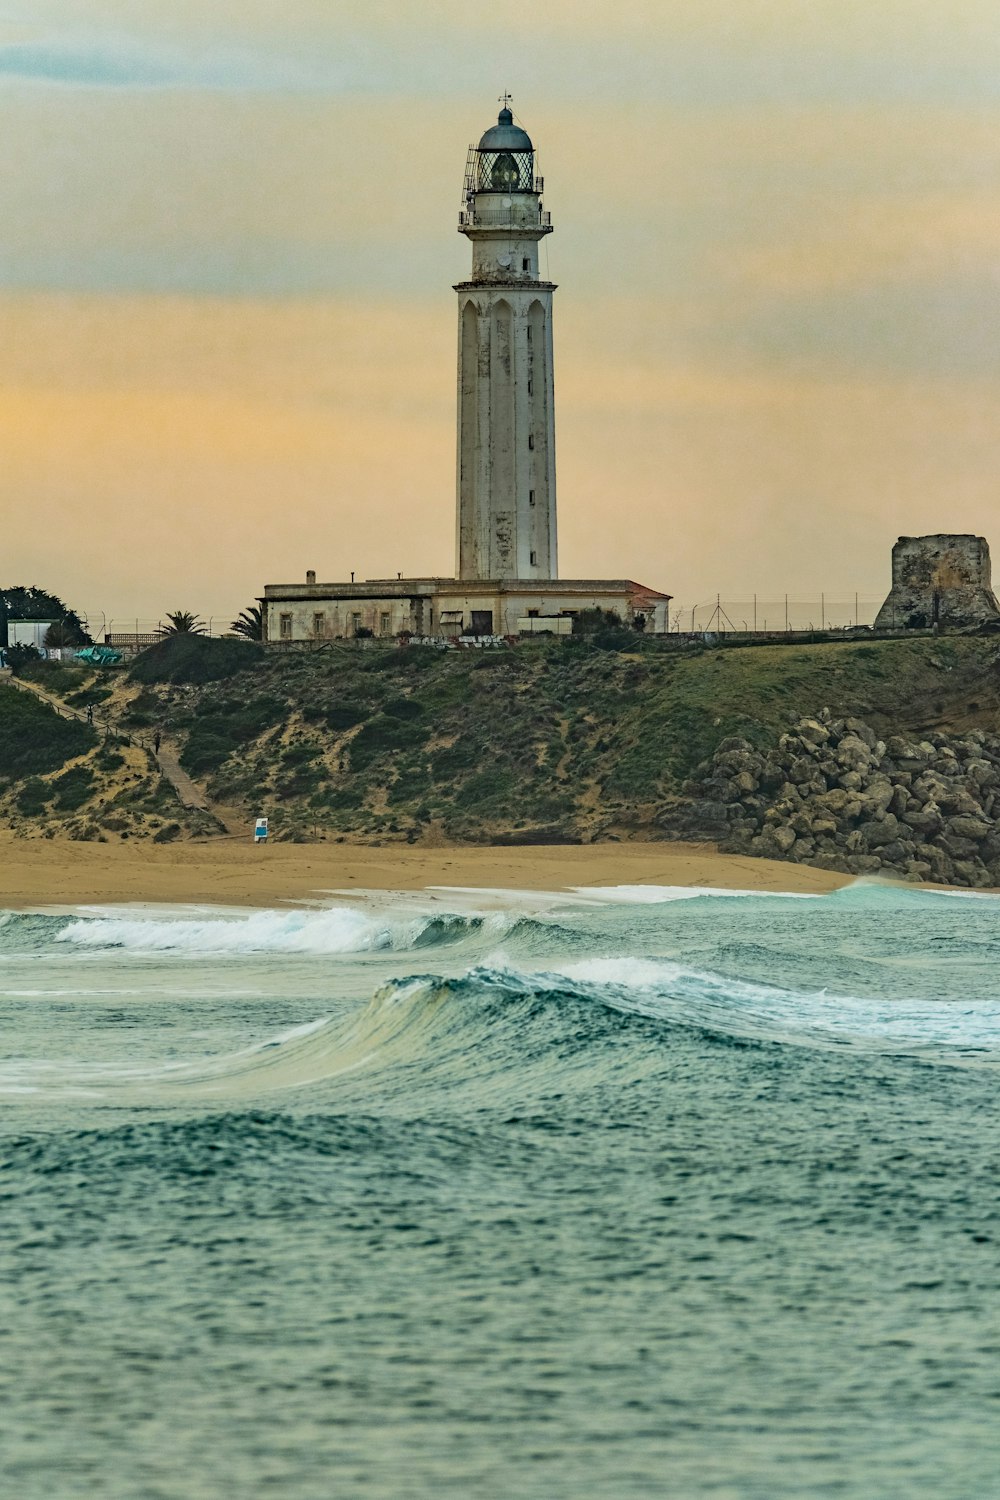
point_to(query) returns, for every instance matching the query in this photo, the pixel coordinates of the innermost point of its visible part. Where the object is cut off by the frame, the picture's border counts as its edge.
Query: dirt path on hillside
(230, 819)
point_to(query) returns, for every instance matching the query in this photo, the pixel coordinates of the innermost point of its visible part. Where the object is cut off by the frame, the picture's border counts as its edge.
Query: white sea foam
(333, 931)
(652, 895)
(672, 991)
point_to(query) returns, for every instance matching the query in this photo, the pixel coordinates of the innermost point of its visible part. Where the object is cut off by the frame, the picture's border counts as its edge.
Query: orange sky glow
(227, 342)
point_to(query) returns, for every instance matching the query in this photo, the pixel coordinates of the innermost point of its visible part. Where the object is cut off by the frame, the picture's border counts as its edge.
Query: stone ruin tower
(506, 421)
(939, 580)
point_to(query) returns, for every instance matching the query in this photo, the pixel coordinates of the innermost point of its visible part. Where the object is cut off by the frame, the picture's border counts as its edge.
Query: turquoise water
(487, 1196)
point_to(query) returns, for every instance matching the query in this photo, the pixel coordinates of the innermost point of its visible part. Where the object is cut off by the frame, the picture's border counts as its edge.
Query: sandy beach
(60, 872)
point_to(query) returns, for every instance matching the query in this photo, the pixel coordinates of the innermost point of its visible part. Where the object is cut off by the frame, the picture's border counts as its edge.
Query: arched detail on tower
(541, 481)
(473, 373)
(503, 441)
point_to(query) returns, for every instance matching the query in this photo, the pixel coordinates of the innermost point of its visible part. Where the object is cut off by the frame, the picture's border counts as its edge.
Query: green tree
(249, 623)
(20, 603)
(182, 622)
(62, 634)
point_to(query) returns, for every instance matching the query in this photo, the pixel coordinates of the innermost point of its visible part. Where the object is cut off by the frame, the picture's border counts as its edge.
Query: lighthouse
(506, 583)
(506, 502)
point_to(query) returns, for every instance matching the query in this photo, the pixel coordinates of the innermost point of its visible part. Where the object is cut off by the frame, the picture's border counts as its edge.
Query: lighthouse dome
(505, 135)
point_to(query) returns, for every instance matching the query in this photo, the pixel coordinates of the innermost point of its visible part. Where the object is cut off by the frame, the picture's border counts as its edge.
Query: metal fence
(760, 614)
(114, 629)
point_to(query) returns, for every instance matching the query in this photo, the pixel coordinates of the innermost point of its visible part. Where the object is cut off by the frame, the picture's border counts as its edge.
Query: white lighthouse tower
(506, 420)
(507, 582)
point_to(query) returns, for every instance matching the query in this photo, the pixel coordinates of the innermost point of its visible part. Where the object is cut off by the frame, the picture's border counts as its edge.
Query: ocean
(633, 1192)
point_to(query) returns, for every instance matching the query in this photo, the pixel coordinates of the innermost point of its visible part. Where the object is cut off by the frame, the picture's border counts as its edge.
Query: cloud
(100, 67)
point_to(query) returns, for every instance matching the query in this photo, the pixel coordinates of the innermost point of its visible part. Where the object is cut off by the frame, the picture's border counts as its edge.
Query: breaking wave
(331, 931)
(498, 1033)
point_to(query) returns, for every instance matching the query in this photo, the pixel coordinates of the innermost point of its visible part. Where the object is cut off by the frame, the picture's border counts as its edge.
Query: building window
(532, 613)
(529, 335)
(531, 497)
(531, 387)
(531, 439)
(356, 620)
(319, 623)
(385, 622)
(526, 265)
(285, 627)
(534, 559)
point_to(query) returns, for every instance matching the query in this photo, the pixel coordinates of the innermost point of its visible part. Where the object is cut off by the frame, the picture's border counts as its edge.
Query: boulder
(857, 729)
(971, 873)
(833, 795)
(731, 743)
(812, 732)
(969, 828)
(926, 820)
(853, 754)
(876, 833)
(898, 800)
(896, 853)
(834, 801)
(955, 846)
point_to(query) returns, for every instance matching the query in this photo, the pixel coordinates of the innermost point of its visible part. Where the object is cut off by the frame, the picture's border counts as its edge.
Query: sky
(228, 245)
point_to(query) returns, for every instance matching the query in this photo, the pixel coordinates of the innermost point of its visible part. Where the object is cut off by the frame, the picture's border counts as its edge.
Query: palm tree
(249, 623)
(182, 622)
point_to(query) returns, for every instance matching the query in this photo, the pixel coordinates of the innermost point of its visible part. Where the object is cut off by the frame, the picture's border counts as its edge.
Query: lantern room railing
(505, 218)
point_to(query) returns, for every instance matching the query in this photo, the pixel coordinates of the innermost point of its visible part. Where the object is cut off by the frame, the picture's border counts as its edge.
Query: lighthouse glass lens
(505, 173)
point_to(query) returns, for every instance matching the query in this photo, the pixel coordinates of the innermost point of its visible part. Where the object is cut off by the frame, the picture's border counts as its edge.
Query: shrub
(19, 658)
(616, 639)
(461, 756)
(382, 735)
(403, 708)
(167, 833)
(336, 716)
(51, 675)
(300, 754)
(214, 736)
(84, 697)
(340, 797)
(73, 788)
(195, 658)
(33, 737)
(33, 796)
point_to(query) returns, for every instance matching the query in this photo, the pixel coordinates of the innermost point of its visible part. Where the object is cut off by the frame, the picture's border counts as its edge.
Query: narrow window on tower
(531, 387)
(529, 335)
(531, 497)
(534, 559)
(531, 439)
(525, 265)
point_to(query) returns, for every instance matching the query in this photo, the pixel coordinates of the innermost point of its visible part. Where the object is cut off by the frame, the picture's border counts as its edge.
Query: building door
(482, 622)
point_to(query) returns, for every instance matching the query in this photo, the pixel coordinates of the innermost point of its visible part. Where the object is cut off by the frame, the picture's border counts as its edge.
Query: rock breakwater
(831, 793)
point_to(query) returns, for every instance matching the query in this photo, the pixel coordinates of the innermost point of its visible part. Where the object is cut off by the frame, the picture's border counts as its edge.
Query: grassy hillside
(552, 741)
(60, 777)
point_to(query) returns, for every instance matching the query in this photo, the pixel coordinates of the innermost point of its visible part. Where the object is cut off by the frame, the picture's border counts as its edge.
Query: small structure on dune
(939, 580)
